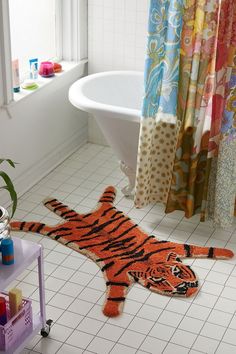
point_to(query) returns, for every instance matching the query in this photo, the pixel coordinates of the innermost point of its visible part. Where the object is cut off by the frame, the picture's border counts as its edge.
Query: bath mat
(124, 252)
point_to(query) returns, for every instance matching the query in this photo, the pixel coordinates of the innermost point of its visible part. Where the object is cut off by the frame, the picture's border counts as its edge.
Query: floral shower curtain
(202, 168)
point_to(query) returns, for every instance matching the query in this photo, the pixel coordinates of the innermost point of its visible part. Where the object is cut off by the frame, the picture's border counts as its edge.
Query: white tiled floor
(150, 323)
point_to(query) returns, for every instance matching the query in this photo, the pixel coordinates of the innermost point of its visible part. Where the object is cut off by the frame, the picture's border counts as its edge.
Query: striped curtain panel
(202, 169)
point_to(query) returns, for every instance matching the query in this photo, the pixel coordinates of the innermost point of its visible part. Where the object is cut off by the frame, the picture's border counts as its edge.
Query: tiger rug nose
(187, 289)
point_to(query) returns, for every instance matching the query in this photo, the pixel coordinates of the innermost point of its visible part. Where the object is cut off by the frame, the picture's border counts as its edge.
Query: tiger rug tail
(124, 252)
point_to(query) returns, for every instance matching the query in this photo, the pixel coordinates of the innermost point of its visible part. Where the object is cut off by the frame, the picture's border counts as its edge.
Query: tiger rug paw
(123, 251)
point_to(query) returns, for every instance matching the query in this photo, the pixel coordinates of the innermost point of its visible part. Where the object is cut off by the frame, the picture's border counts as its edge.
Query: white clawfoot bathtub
(114, 98)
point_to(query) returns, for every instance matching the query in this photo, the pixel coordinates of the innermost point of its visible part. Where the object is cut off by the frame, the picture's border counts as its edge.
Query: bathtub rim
(86, 104)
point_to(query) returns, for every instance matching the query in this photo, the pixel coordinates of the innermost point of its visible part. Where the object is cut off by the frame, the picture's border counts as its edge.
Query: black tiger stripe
(113, 283)
(126, 253)
(107, 266)
(101, 227)
(107, 197)
(116, 299)
(87, 215)
(110, 192)
(63, 235)
(58, 230)
(57, 204)
(87, 226)
(31, 227)
(108, 241)
(124, 248)
(60, 207)
(119, 243)
(135, 255)
(187, 250)
(128, 230)
(106, 200)
(116, 213)
(68, 212)
(160, 242)
(41, 226)
(22, 225)
(211, 252)
(50, 201)
(107, 211)
(145, 258)
(119, 225)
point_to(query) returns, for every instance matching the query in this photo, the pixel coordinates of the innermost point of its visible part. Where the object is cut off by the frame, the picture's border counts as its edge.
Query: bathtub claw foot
(129, 172)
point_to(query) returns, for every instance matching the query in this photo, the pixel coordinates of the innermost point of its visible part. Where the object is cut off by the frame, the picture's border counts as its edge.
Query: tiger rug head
(170, 277)
(123, 251)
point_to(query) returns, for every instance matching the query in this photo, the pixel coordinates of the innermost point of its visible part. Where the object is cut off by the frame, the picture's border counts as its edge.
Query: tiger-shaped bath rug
(124, 252)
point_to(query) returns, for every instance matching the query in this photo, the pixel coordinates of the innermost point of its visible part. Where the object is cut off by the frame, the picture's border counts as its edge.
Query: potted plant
(8, 186)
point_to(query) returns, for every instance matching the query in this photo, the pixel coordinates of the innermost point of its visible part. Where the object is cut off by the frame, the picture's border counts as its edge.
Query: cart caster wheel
(46, 330)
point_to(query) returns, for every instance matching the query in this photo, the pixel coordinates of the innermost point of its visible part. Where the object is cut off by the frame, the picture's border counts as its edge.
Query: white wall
(44, 129)
(117, 40)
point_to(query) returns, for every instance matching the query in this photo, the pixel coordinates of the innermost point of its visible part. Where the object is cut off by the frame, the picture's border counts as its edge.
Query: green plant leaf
(10, 188)
(13, 164)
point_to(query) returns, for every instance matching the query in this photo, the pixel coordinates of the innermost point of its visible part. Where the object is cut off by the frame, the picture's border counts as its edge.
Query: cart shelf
(25, 252)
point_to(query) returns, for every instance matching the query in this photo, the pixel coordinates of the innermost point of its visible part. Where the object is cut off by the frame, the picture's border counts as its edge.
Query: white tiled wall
(117, 34)
(116, 41)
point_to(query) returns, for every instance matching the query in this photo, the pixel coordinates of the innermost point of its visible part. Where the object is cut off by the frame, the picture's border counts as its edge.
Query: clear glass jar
(4, 224)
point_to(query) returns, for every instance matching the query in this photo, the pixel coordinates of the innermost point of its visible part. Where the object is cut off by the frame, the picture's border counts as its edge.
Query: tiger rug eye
(123, 251)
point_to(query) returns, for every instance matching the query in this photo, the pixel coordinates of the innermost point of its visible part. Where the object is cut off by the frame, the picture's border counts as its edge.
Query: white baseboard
(40, 169)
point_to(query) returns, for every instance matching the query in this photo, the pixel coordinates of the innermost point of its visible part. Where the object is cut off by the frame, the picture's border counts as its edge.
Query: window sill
(43, 82)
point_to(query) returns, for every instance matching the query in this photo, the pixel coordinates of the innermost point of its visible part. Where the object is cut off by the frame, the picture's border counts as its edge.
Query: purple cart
(25, 253)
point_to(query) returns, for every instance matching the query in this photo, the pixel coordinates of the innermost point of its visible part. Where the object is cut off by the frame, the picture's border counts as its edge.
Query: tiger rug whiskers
(124, 252)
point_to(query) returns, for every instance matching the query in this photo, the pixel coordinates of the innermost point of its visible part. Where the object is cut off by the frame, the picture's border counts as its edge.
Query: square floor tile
(54, 284)
(100, 346)
(230, 336)
(72, 262)
(161, 331)
(138, 294)
(68, 349)
(90, 295)
(70, 319)
(60, 333)
(90, 325)
(149, 312)
(122, 349)
(61, 301)
(184, 338)
(63, 273)
(121, 321)
(81, 278)
(153, 345)
(71, 289)
(110, 332)
(205, 345)
(225, 348)
(53, 312)
(132, 306)
(79, 339)
(199, 312)
(191, 324)
(141, 325)
(47, 346)
(176, 305)
(132, 339)
(81, 307)
(173, 319)
(157, 300)
(96, 312)
(55, 257)
(174, 348)
(219, 317)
